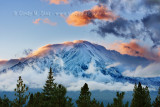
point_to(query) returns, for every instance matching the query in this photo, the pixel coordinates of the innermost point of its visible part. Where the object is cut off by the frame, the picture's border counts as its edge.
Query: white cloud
(113, 65)
(152, 70)
(93, 85)
(91, 69)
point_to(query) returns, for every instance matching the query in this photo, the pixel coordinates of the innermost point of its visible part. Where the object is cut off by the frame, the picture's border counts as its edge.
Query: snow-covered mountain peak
(81, 59)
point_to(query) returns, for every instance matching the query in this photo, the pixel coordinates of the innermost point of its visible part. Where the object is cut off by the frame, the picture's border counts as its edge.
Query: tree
(95, 103)
(141, 96)
(20, 93)
(31, 101)
(59, 96)
(55, 94)
(156, 103)
(50, 86)
(85, 97)
(69, 102)
(5, 102)
(36, 100)
(118, 102)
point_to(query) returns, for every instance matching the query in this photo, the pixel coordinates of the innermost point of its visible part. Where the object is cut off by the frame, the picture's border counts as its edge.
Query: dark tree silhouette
(156, 103)
(20, 93)
(85, 97)
(118, 102)
(141, 96)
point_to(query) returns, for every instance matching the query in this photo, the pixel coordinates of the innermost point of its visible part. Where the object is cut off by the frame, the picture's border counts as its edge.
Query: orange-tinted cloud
(46, 21)
(100, 12)
(57, 1)
(135, 49)
(36, 21)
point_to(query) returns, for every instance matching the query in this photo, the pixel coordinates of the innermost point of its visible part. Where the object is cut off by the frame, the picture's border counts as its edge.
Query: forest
(54, 95)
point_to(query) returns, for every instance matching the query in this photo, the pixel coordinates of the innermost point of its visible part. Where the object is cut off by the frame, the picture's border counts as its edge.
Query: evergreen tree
(54, 94)
(101, 105)
(118, 102)
(58, 98)
(147, 97)
(20, 93)
(95, 103)
(49, 85)
(85, 97)
(5, 102)
(31, 101)
(156, 103)
(69, 102)
(36, 100)
(141, 96)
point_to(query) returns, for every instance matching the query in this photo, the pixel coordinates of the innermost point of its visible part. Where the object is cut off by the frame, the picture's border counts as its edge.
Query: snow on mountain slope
(77, 61)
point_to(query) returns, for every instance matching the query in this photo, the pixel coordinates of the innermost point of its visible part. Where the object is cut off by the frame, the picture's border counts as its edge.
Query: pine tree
(85, 97)
(156, 103)
(69, 102)
(54, 94)
(118, 102)
(20, 93)
(58, 97)
(31, 101)
(49, 85)
(147, 97)
(141, 96)
(36, 100)
(5, 102)
(101, 105)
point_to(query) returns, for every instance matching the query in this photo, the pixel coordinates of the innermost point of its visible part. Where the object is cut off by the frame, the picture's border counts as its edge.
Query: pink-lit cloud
(57, 2)
(45, 21)
(100, 12)
(134, 49)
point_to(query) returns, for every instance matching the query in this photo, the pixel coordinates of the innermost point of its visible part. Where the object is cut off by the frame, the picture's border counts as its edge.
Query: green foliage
(5, 102)
(53, 95)
(50, 86)
(36, 100)
(95, 103)
(141, 97)
(69, 102)
(156, 103)
(58, 97)
(85, 97)
(118, 102)
(20, 93)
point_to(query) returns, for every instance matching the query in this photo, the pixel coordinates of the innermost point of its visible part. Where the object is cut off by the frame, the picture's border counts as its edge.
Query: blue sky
(17, 32)
(133, 22)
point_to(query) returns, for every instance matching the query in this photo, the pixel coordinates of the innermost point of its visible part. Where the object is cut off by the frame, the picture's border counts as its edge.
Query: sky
(130, 27)
(28, 24)
(17, 32)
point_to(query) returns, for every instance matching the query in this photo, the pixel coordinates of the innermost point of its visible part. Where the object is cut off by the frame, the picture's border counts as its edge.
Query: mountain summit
(82, 60)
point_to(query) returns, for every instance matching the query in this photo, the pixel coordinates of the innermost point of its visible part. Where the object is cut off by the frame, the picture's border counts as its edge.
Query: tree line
(54, 95)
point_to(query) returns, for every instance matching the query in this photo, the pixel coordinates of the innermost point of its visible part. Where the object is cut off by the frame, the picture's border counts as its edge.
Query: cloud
(152, 70)
(121, 28)
(57, 1)
(145, 29)
(93, 85)
(37, 21)
(8, 79)
(135, 49)
(139, 19)
(113, 65)
(152, 22)
(45, 21)
(100, 12)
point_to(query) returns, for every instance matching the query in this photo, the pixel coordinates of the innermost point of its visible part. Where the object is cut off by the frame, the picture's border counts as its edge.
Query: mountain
(83, 60)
